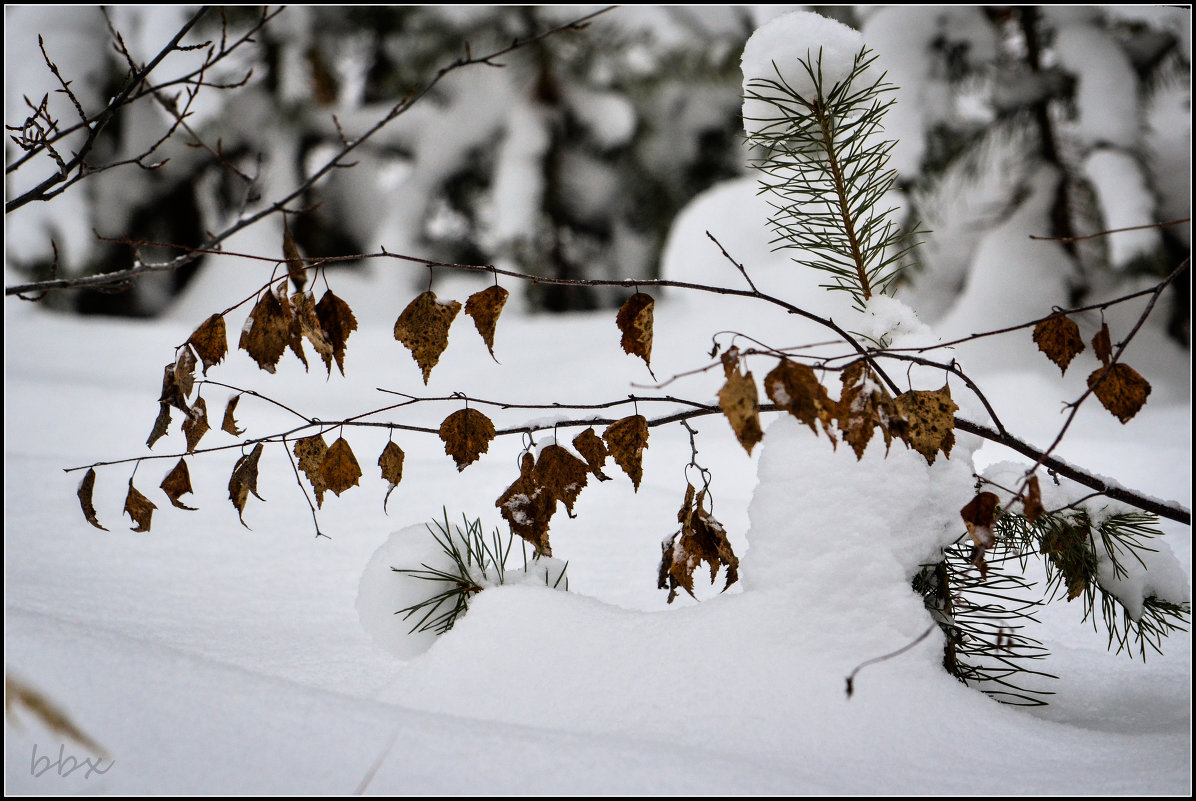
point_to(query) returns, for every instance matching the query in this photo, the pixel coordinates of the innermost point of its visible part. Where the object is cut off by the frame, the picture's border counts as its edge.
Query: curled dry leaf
(740, 403)
(864, 405)
(160, 425)
(391, 462)
(562, 475)
(266, 332)
(635, 322)
(294, 327)
(1059, 338)
(196, 424)
(484, 307)
(244, 481)
(1102, 345)
(701, 538)
(627, 439)
(792, 386)
(528, 507)
(172, 391)
(230, 423)
(1032, 501)
(337, 322)
(979, 516)
(466, 434)
(86, 490)
(1120, 389)
(184, 373)
(593, 450)
(210, 341)
(423, 327)
(304, 306)
(296, 268)
(177, 484)
(139, 508)
(310, 453)
(341, 470)
(929, 421)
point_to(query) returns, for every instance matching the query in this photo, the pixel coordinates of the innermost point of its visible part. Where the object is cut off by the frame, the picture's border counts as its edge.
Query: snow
(1107, 94)
(1125, 201)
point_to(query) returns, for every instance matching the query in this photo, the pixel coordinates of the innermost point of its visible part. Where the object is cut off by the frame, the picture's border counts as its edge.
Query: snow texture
(1126, 201)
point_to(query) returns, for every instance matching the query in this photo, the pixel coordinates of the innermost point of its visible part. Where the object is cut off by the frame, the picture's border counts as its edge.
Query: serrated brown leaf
(86, 490)
(865, 405)
(593, 450)
(979, 516)
(528, 507)
(310, 453)
(172, 392)
(1032, 501)
(295, 263)
(740, 402)
(341, 470)
(794, 387)
(562, 475)
(337, 321)
(210, 341)
(304, 306)
(160, 425)
(635, 322)
(1102, 345)
(177, 484)
(184, 372)
(391, 462)
(466, 434)
(423, 327)
(701, 538)
(1059, 338)
(1120, 389)
(196, 424)
(626, 439)
(485, 307)
(266, 332)
(294, 327)
(929, 421)
(244, 481)
(230, 424)
(139, 508)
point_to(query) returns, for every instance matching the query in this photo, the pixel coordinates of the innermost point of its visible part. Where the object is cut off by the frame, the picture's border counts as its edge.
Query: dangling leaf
(304, 305)
(484, 307)
(341, 470)
(86, 488)
(230, 424)
(930, 421)
(792, 386)
(1102, 345)
(865, 405)
(701, 538)
(1059, 338)
(244, 481)
(295, 263)
(635, 322)
(196, 424)
(979, 516)
(562, 475)
(1066, 544)
(161, 424)
(177, 484)
(627, 439)
(266, 332)
(466, 434)
(210, 341)
(423, 327)
(740, 403)
(1032, 501)
(1120, 389)
(528, 507)
(337, 322)
(391, 462)
(139, 508)
(184, 374)
(172, 391)
(294, 327)
(310, 453)
(594, 451)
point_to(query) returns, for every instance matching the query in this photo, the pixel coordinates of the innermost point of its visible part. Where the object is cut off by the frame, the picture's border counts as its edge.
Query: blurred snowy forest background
(573, 160)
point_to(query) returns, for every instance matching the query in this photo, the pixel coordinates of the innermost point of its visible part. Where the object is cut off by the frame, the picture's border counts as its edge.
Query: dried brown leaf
(294, 327)
(230, 424)
(979, 516)
(423, 327)
(864, 405)
(1032, 501)
(184, 372)
(627, 439)
(161, 424)
(266, 333)
(528, 507)
(794, 387)
(177, 484)
(740, 403)
(1059, 338)
(86, 489)
(1120, 389)
(485, 307)
(196, 424)
(341, 470)
(635, 322)
(337, 321)
(210, 341)
(139, 508)
(304, 306)
(930, 421)
(466, 434)
(295, 264)
(593, 450)
(17, 693)
(172, 391)
(701, 538)
(1066, 545)
(310, 452)
(1102, 344)
(391, 462)
(244, 481)
(562, 475)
